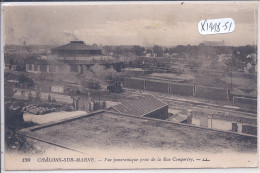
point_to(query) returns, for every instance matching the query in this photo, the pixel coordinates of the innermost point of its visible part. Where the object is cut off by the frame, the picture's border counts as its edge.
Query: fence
(211, 93)
(157, 86)
(181, 89)
(186, 90)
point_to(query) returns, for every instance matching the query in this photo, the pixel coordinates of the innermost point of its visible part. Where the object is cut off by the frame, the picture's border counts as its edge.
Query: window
(35, 67)
(74, 68)
(52, 68)
(30, 66)
(43, 68)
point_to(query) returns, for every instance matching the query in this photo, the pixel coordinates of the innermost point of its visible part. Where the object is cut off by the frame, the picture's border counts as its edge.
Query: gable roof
(77, 45)
(140, 105)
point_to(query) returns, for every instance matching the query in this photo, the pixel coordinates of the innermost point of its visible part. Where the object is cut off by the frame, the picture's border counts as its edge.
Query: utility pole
(231, 71)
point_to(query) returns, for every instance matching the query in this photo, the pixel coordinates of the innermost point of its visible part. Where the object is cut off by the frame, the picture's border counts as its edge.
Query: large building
(76, 48)
(73, 57)
(68, 66)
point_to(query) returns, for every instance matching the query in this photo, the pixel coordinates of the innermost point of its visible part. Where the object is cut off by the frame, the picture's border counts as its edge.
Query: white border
(114, 3)
(233, 170)
(2, 87)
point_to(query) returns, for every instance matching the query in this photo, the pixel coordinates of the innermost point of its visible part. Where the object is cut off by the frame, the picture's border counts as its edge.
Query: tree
(172, 50)
(107, 49)
(158, 50)
(166, 50)
(26, 80)
(126, 50)
(180, 49)
(138, 50)
(149, 51)
(119, 50)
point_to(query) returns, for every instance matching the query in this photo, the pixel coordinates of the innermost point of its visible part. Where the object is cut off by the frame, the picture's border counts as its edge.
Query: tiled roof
(42, 62)
(140, 105)
(36, 61)
(77, 45)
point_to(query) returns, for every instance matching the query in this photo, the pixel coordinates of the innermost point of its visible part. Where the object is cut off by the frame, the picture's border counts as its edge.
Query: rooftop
(82, 61)
(108, 130)
(140, 105)
(133, 69)
(77, 45)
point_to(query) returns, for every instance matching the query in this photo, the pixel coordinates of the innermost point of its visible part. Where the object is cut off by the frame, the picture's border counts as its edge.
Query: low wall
(223, 116)
(180, 89)
(245, 100)
(157, 86)
(248, 129)
(58, 97)
(211, 93)
(24, 94)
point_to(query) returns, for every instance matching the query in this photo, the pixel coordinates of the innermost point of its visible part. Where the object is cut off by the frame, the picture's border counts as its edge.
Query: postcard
(131, 85)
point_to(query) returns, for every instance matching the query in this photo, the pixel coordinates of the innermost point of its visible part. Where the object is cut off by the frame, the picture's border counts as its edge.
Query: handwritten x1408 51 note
(129, 85)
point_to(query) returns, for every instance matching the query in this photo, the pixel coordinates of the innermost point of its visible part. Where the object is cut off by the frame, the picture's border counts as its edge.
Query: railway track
(185, 104)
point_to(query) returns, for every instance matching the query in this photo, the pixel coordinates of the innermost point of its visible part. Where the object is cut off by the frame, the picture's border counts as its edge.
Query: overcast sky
(143, 24)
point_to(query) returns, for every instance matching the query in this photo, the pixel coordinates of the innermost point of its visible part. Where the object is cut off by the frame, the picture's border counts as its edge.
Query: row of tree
(201, 49)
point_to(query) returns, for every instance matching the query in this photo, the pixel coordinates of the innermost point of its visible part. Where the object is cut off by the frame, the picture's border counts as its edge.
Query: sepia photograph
(130, 85)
